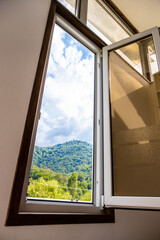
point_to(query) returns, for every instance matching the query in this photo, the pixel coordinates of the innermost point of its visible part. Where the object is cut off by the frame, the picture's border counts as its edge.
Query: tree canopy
(63, 171)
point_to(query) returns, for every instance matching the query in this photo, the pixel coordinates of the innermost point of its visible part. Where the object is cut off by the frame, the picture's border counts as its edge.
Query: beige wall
(22, 26)
(147, 12)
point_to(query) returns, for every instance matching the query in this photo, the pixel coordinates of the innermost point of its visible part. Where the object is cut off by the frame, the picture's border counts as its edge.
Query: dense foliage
(72, 156)
(63, 171)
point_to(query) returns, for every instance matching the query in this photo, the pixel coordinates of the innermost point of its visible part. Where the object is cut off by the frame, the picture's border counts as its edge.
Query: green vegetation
(63, 171)
(72, 156)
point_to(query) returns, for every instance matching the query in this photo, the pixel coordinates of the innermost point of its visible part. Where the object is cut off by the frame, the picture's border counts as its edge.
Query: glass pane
(63, 152)
(135, 120)
(141, 56)
(103, 24)
(69, 4)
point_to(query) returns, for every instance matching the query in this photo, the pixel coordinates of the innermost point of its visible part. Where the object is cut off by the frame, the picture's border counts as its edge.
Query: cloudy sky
(67, 105)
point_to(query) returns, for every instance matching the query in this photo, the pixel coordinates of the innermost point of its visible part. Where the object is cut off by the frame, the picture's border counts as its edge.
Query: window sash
(62, 206)
(109, 199)
(14, 216)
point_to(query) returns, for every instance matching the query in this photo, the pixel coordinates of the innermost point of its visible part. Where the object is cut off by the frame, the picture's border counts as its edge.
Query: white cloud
(67, 108)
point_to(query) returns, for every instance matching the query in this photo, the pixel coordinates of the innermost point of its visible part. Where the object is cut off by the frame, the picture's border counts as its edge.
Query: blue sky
(67, 104)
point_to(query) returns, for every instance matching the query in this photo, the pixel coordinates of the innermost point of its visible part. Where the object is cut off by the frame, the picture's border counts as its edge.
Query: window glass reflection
(69, 4)
(103, 24)
(135, 119)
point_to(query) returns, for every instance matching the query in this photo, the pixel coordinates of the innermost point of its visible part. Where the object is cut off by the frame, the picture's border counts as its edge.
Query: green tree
(87, 196)
(72, 185)
(80, 177)
(47, 189)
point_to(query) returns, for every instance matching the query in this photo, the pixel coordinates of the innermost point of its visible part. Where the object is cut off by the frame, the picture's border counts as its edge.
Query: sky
(67, 103)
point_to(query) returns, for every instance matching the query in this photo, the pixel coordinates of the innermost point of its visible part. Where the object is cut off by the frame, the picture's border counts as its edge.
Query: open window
(64, 158)
(131, 88)
(59, 176)
(107, 123)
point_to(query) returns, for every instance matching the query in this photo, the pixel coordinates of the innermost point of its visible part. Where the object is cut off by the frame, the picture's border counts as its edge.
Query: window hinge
(102, 202)
(99, 121)
(101, 54)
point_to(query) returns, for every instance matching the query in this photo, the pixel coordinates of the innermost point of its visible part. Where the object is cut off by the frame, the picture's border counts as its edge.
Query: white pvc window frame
(109, 199)
(62, 206)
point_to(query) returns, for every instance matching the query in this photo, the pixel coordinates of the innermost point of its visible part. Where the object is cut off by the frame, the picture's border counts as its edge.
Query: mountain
(72, 156)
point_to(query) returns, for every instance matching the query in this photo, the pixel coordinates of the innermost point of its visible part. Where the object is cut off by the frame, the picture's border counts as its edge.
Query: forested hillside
(72, 156)
(63, 171)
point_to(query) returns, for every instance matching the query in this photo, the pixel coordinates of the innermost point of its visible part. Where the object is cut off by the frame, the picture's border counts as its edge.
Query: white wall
(22, 25)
